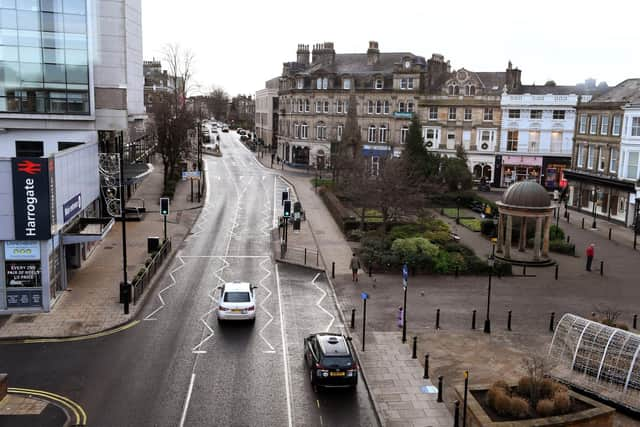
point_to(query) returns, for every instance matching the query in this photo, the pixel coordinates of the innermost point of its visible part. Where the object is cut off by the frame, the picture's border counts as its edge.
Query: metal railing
(140, 281)
(302, 256)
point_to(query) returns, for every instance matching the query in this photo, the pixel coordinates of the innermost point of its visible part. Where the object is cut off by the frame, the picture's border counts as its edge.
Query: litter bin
(153, 244)
(125, 292)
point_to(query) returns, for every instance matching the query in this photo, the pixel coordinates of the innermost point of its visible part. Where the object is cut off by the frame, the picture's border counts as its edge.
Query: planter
(590, 413)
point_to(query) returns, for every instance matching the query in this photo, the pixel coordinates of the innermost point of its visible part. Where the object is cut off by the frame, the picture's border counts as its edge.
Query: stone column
(537, 238)
(507, 243)
(500, 233)
(545, 237)
(522, 240)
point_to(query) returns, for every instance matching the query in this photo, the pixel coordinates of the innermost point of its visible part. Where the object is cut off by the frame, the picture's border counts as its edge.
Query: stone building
(157, 80)
(242, 111)
(267, 113)
(604, 171)
(314, 101)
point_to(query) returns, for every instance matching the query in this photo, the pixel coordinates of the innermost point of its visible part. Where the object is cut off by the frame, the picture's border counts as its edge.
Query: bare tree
(346, 152)
(218, 101)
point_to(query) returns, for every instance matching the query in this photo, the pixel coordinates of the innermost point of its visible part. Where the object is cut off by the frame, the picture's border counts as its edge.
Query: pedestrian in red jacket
(590, 253)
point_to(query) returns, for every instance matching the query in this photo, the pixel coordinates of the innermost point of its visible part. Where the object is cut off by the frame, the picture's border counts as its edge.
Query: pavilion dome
(526, 194)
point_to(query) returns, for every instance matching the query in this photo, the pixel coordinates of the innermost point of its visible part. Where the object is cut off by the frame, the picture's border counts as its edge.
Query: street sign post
(190, 175)
(164, 211)
(405, 278)
(365, 297)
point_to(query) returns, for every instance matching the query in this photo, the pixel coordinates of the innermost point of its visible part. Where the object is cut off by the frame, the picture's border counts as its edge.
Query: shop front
(520, 168)
(553, 171)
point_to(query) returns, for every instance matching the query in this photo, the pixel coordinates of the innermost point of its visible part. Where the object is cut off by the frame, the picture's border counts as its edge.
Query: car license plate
(236, 310)
(336, 374)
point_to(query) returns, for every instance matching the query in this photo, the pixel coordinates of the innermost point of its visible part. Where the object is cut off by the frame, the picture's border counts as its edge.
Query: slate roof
(492, 81)
(356, 63)
(627, 91)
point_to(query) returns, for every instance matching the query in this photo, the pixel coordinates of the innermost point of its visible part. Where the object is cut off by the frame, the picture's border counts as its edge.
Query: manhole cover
(25, 319)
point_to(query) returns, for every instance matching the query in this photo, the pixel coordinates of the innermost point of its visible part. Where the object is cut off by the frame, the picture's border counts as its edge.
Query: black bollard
(438, 319)
(333, 269)
(509, 321)
(553, 315)
(583, 223)
(635, 321)
(440, 386)
(568, 217)
(556, 271)
(609, 233)
(473, 319)
(305, 256)
(602, 268)
(426, 367)
(456, 271)
(568, 239)
(524, 270)
(456, 413)
(415, 348)
(353, 318)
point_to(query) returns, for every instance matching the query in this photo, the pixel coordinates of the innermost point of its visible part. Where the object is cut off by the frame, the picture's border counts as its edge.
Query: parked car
(242, 132)
(237, 302)
(225, 129)
(330, 360)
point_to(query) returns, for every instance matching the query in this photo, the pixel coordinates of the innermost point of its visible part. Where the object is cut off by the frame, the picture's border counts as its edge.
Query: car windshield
(237, 297)
(337, 361)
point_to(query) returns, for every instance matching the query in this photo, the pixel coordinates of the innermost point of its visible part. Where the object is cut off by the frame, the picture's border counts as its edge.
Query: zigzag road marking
(173, 283)
(324, 294)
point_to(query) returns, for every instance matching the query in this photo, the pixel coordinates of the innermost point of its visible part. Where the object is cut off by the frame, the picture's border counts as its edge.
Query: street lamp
(487, 321)
(595, 202)
(458, 203)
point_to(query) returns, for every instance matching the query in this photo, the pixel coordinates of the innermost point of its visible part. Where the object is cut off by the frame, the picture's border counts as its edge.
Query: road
(178, 366)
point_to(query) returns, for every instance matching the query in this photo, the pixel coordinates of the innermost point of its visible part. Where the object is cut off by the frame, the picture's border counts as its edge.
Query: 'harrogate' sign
(31, 198)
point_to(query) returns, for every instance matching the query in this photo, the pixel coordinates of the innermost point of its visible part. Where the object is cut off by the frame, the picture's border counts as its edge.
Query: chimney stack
(323, 53)
(302, 54)
(373, 53)
(513, 77)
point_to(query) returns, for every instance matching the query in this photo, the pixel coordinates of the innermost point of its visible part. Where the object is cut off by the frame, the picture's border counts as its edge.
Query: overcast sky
(240, 44)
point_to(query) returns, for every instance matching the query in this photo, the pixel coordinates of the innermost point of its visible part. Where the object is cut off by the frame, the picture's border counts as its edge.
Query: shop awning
(135, 172)
(87, 230)
(603, 181)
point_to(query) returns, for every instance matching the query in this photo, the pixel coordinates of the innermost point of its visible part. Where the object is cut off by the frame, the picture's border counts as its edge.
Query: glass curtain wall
(44, 63)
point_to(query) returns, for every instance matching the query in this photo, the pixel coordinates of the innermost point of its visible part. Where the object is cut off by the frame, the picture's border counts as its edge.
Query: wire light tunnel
(598, 353)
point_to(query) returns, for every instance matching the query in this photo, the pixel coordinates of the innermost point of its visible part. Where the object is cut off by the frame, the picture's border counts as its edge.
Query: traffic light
(285, 196)
(164, 206)
(287, 208)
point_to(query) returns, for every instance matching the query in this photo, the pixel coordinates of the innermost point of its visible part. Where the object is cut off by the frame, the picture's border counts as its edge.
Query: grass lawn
(471, 224)
(464, 213)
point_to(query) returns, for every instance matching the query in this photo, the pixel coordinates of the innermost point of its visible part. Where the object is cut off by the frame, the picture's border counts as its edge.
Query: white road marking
(262, 305)
(173, 283)
(285, 355)
(186, 402)
(324, 294)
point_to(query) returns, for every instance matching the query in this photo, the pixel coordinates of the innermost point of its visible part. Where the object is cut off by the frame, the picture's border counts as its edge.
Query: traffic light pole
(123, 217)
(165, 227)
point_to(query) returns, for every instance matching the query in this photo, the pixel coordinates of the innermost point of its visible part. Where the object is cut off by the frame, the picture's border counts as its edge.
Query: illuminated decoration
(109, 169)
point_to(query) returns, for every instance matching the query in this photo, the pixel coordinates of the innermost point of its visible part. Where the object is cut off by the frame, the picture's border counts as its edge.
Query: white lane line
(173, 283)
(186, 402)
(268, 274)
(275, 204)
(285, 355)
(324, 294)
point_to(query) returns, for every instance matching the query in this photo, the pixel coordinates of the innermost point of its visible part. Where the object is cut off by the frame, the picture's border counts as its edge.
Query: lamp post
(490, 262)
(458, 203)
(595, 203)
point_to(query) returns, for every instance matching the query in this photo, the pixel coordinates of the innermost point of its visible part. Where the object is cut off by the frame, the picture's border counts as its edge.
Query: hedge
(562, 247)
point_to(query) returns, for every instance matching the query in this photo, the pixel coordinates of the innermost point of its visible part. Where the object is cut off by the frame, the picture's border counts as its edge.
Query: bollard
(353, 318)
(438, 319)
(509, 321)
(556, 271)
(553, 315)
(415, 348)
(456, 271)
(583, 223)
(440, 388)
(333, 269)
(305, 256)
(602, 268)
(609, 233)
(568, 220)
(635, 321)
(473, 319)
(426, 367)
(524, 270)
(456, 413)
(568, 239)
(317, 258)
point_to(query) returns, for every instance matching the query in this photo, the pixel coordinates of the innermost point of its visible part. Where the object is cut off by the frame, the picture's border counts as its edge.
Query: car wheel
(219, 321)
(252, 321)
(312, 379)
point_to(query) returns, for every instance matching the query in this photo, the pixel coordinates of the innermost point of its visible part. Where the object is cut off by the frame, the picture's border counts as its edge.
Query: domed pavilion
(525, 202)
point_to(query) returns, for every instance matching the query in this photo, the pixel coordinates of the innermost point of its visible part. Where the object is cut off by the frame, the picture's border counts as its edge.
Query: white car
(237, 302)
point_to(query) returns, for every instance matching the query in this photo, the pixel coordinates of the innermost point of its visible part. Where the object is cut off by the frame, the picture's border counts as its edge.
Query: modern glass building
(44, 61)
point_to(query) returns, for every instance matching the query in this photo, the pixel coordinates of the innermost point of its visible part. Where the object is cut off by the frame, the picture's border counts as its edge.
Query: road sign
(364, 295)
(190, 174)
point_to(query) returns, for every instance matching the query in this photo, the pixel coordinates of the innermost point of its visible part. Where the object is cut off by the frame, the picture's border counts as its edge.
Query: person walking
(590, 253)
(355, 266)
(400, 317)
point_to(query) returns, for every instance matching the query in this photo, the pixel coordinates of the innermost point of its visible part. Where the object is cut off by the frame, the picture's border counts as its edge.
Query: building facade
(314, 101)
(71, 88)
(602, 180)
(267, 113)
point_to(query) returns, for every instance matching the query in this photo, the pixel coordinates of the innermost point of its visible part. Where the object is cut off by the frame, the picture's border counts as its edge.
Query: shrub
(441, 262)
(502, 404)
(355, 235)
(547, 388)
(503, 385)
(519, 407)
(525, 386)
(439, 237)
(434, 224)
(502, 268)
(409, 248)
(562, 402)
(457, 261)
(406, 231)
(493, 392)
(488, 228)
(562, 247)
(545, 407)
(556, 233)
(559, 388)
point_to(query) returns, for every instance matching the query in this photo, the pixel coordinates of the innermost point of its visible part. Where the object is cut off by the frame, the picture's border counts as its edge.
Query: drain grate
(25, 319)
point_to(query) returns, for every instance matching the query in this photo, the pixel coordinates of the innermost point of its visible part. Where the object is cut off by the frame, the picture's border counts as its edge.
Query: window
(370, 107)
(384, 133)
(379, 84)
(558, 114)
(593, 125)
(452, 113)
(404, 131)
(514, 114)
(583, 124)
(615, 128)
(403, 83)
(613, 160)
(325, 83)
(470, 90)
(385, 107)
(300, 83)
(467, 114)
(451, 140)
(339, 132)
(339, 107)
(379, 107)
(375, 165)
(535, 114)
(534, 141)
(556, 141)
(635, 126)
(296, 132)
(326, 106)
(372, 134)
(300, 106)
(431, 137)
(318, 107)
(401, 107)
(346, 84)
(433, 113)
(580, 155)
(487, 138)
(590, 157)
(604, 124)
(29, 149)
(318, 83)
(632, 165)
(307, 105)
(600, 159)
(304, 131)
(410, 107)
(488, 115)
(512, 140)
(409, 83)
(454, 89)
(321, 131)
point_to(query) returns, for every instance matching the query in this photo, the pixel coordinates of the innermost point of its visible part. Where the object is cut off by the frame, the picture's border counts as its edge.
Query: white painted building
(267, 113)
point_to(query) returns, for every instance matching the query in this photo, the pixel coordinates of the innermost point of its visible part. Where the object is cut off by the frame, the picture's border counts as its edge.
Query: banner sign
(19, 251)
(31, 198)
(71, 207)
(24, 298)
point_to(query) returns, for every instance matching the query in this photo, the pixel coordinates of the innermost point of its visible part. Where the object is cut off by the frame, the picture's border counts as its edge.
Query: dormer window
(379, 84)
(454, 89)
(318, 83)
(407, 64)
(325, 83)
(470, 90)
(322, 83)
(346, 84)
(300, 83)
